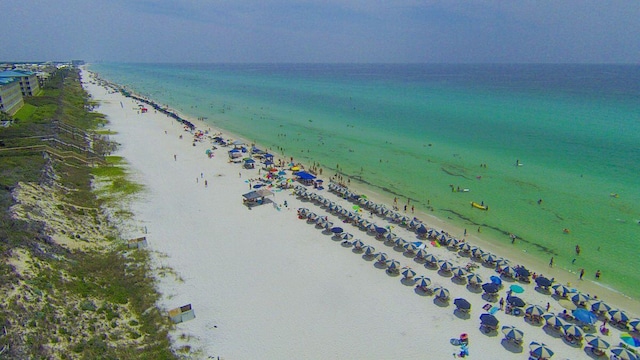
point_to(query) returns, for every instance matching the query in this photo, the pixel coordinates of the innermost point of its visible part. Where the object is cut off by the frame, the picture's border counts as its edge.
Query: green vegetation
(92, 298)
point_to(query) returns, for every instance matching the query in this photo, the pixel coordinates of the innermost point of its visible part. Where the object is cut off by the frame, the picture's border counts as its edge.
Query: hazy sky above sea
(415, 31)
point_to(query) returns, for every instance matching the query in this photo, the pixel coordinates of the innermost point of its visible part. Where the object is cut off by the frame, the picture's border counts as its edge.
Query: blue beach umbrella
(445, 265)
(407, 272)
(510, 332)
(534, 310)
(430, 258)
(421, 253)
(474, 279)
(490, 288)
(346, 236)
(393, 265)
(596, 342)
(410, 248)
(635, 324)
(358, 244)
(421, 229)
(572, 330)
(600, 306)
(422, 281)
(441, 293)
(553, 320)
(619, 316)
(382, 257)
(337, 230)
(623, 354)
(496, 280)
(585, 316)
(579, 298)
(368, 250)
(540, 350)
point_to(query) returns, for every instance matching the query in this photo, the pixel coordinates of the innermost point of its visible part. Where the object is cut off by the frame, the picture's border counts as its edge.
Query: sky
(321, 31)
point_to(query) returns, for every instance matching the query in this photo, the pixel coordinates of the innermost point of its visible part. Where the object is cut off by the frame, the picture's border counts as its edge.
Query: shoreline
(319, 288)
(566, 276)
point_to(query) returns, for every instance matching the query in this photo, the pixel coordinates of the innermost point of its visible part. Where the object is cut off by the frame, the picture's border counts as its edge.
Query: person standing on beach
(175, 157)
(551, 262)
(581, 273)
(578, 250)
(598, 274)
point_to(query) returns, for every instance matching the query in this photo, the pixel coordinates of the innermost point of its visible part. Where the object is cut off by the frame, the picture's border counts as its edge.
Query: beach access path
(267, 285)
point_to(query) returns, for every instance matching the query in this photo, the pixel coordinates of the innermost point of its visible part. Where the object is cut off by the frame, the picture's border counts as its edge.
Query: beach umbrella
(567, 304)
(462, 304)
(600, 306)
(404, 219)
(502, 262)
(381, 231)
(445, 265)
(337, 230)
(400, 242)
(326, 202)
(358, 244)
(441, 293)
(521, 271)
(391, 237)
(422, 281)
(573, 330)
(430, 258)
(303, 211)
(458, 271)
(465, 247)
(368, 250)
(509, 271)
(540, 350)
(635, 324)
(553, 320)
(346, 236)
(585, 316)
(382, 257)
(630, 339)
(534, 310)
(432, 233)
(623, 354)
(477, 252)
(393, 265)
(490, 288)
(561, 289)
(474, 279)
(510, 332)
(413, 224)
(312, 216)
(515, 301)
(328, 225)
(516, 289)
(579, 298)
(489, 320)
(543, 282)
(363, 200)
(321, 221)
(410, 248)
(596, 342)
(489, 258)
(407, 272)
(372, 228)
(421, 253)
(496, 280)
(619, 316)
(421, 229)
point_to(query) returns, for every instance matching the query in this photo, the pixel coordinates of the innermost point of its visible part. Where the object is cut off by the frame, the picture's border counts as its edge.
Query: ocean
(552, 150)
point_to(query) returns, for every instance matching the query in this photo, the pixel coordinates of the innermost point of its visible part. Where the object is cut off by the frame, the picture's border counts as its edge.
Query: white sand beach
(265, 284)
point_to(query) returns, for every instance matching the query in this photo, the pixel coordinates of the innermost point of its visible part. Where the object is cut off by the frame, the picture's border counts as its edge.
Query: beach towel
(493, 310)
(486, 306)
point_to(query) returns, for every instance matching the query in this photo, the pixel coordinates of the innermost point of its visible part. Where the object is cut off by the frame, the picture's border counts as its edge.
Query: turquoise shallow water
(414, 130)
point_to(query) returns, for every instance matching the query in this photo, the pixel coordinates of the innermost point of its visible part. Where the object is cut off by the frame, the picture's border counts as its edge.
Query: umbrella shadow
(440, 302)
(474, 288)
(380, 265)
(531, 322)
(511, 346)
(368, 257)
(464, 254)
(489, 297)
(542, 291)
(431, 266)
(445, 273)
(346, 244)
(408, 255)
(327, 232)
(464, 315)
(418, 290)
(357, 251)
(419, 260)
(392, 273)
(573, 344)
(554, 333)
(487, 332)
(588, 350)
(507, 279)
(398, 248)
(408, 282)
(458, 280)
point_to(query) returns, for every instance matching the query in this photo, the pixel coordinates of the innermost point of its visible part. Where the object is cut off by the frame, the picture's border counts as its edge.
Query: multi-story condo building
(10, 95)
(28, 81)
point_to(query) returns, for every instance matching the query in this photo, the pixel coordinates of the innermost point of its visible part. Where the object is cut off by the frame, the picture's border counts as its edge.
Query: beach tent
(256, 196)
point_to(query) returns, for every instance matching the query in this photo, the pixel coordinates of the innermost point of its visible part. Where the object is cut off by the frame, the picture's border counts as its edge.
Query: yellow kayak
(479, 206)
